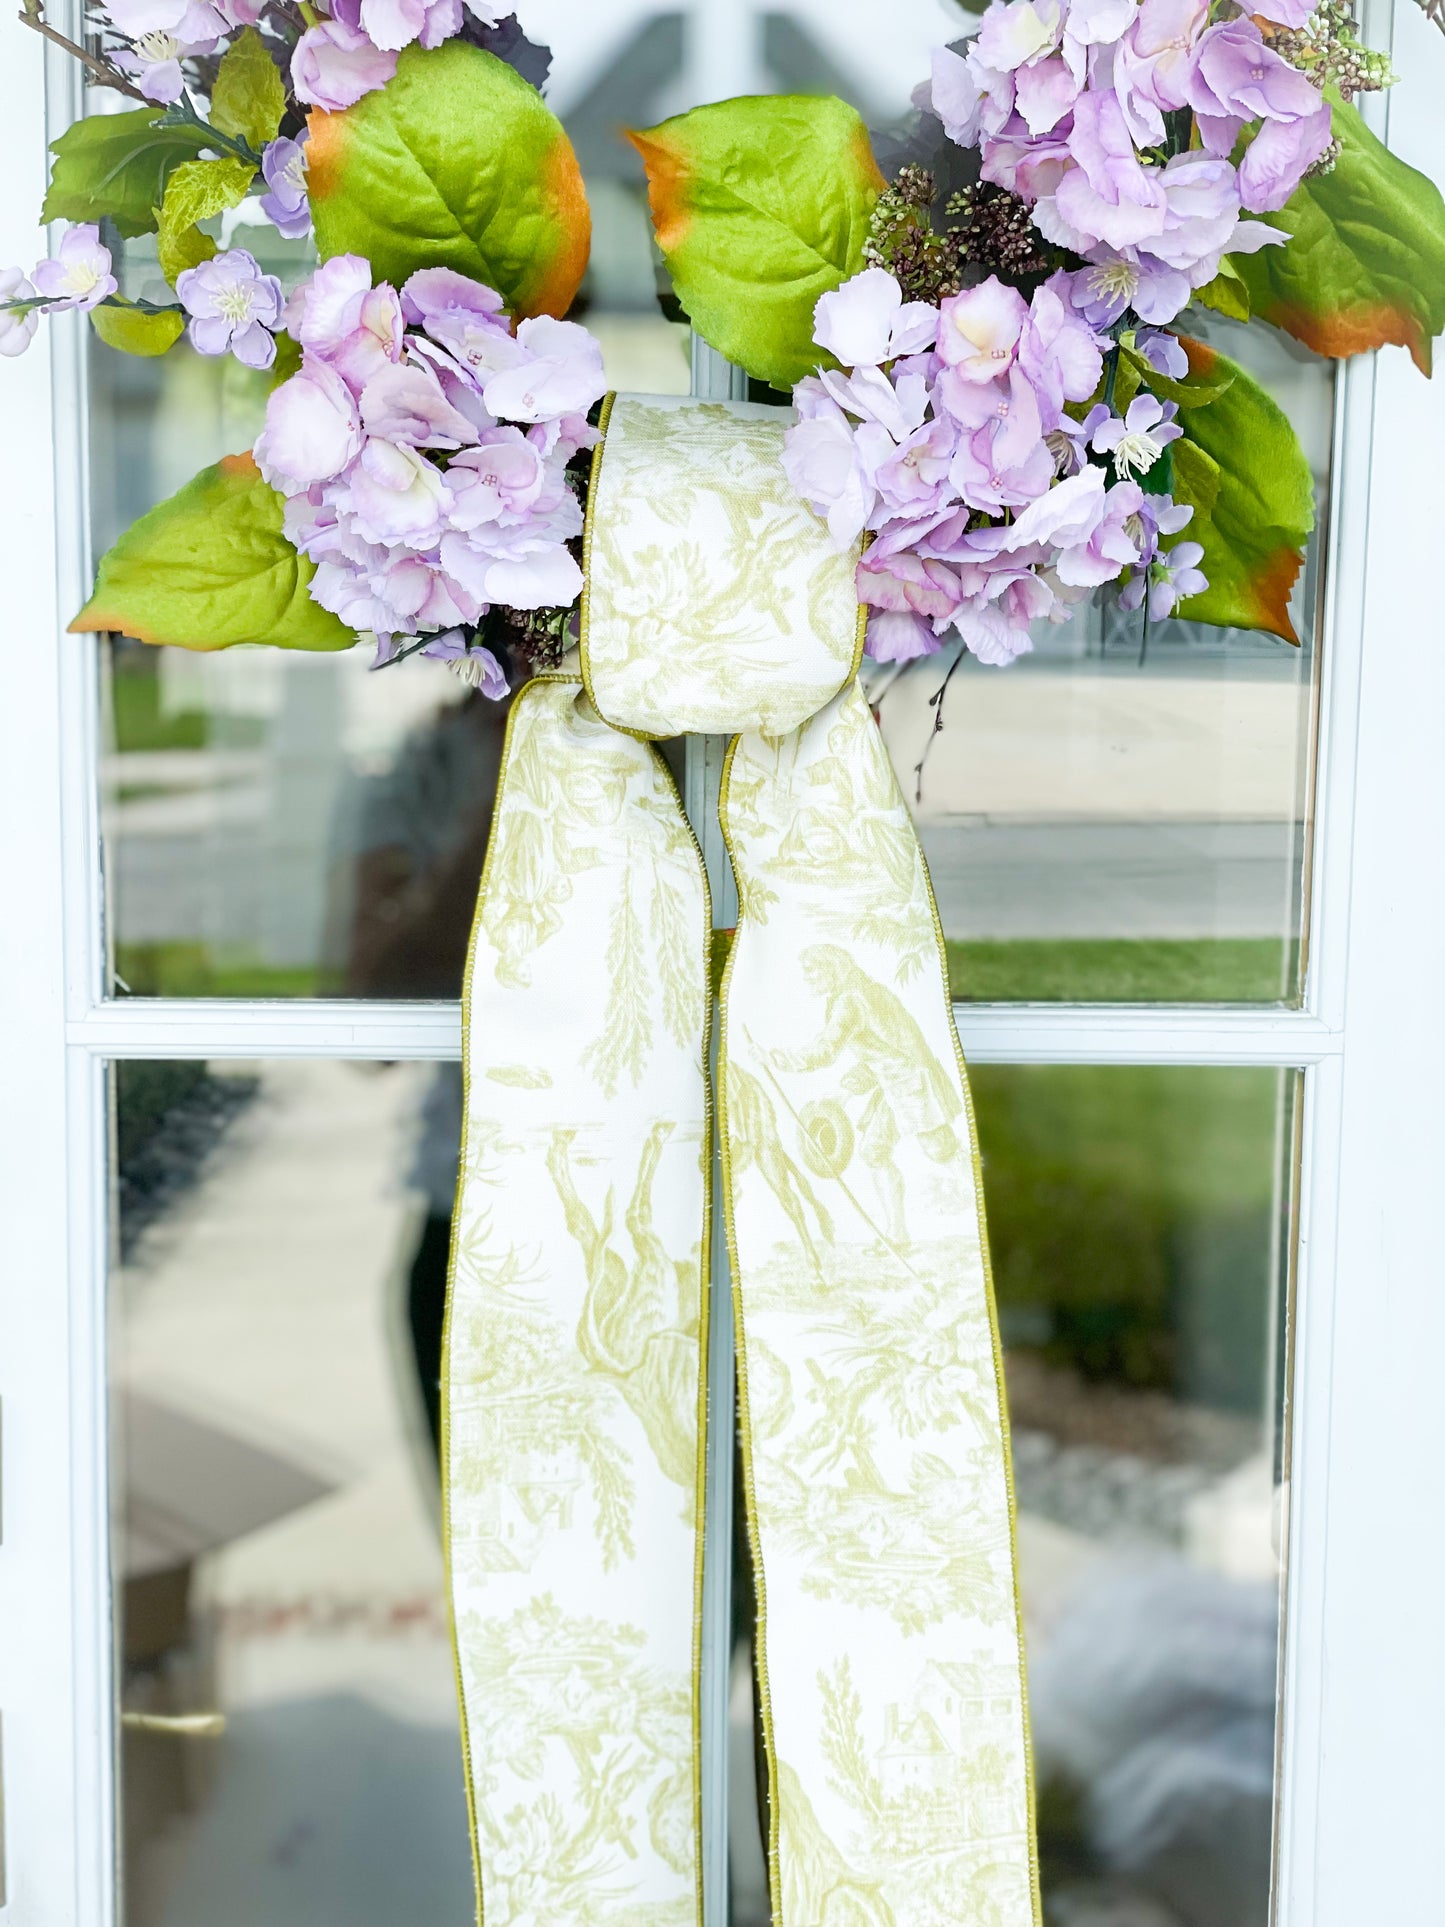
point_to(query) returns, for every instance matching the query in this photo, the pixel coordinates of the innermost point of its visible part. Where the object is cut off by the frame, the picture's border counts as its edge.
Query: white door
(1193, 904)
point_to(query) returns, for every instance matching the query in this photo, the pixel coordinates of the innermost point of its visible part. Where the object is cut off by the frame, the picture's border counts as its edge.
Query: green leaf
(137, 331)
(457, 162)
(194, 193)
(1365, 264)
(1226, 293)
(249, 96)
(1240, 465)
(759, 206)
(1190, 391)
(209, 568)
(115, 167)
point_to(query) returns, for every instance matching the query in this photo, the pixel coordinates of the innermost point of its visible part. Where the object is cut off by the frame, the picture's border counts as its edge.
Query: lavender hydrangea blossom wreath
(988, 349)
(998, 410)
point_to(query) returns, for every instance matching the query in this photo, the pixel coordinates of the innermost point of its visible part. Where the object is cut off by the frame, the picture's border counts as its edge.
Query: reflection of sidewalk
(1079, 800)
(1096, 880)
(267, 1303)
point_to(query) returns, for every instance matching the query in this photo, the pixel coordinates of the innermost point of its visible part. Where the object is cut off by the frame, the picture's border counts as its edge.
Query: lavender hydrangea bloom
(313, 429)
(417, 506)
(866, 321)
(17, 331)
(335, 63)
(79, 276)
(394, 24)
(283, 166)
(898, 636)
(233, 306)
(1015, 524)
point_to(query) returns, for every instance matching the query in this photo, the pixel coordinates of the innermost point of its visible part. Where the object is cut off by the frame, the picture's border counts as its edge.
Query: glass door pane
(289, 1740)
(1104, 822)
(1139, 1225)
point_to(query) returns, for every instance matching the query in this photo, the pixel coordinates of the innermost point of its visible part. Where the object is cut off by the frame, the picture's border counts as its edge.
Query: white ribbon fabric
(874, 1434)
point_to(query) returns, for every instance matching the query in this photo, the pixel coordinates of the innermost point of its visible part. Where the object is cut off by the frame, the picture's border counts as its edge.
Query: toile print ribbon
(875, 1448)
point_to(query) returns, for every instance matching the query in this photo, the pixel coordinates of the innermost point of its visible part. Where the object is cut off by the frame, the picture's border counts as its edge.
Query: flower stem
(183, 114)
(32, 15)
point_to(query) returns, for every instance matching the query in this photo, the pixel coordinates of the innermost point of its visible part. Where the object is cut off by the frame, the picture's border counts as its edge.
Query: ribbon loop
(714, 599)
(870, 1390)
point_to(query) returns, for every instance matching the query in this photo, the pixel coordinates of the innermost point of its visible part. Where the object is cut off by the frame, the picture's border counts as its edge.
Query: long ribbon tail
(574, 1372)
(875, 1437)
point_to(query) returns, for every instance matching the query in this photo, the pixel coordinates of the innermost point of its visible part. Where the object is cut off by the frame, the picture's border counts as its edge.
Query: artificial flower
(79, 276)
(232, 306)
(335, 63)
(283, 168)
(17, 331)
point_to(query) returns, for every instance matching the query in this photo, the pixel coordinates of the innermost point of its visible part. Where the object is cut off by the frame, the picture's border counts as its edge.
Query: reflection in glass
(276, 1544)
(1138, 1224)
(1122, 819)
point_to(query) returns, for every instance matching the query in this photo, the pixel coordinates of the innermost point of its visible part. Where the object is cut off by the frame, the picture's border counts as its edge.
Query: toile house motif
(999, 410)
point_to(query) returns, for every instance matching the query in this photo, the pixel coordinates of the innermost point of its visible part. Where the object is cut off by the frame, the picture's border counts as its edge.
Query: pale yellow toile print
(575, 1346)
(875, 1440)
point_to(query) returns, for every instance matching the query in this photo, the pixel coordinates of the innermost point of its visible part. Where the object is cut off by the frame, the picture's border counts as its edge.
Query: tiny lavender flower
(232, 305)
(17, 331)
(79, 276)
(1136, 442)
(283, 166)
(154, 57)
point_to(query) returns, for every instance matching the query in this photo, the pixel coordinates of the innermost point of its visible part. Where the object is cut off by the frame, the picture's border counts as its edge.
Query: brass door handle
(201, 1726)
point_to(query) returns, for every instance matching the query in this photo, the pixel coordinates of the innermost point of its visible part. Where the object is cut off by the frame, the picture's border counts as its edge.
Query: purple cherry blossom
(233, 306)
(153, 59)
(283, 167)
(473, 661)
(1136, 442)
(1171, 578)
(79, 276)
(17, 331)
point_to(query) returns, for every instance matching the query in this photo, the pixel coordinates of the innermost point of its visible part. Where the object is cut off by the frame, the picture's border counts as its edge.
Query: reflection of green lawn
(1225, 970)
(183, 969)
(1132, 1219)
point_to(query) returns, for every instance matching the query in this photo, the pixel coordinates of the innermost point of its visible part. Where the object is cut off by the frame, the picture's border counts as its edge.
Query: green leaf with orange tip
(1239, 465)
(137, 331)
(761, 205)
(209, 568)
(457, 162)
(1365, 264)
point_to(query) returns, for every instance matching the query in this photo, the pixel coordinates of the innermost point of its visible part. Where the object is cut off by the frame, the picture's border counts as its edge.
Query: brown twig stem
(32, 14)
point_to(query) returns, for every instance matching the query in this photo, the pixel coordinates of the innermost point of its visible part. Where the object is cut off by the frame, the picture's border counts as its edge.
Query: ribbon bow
(875, 1455)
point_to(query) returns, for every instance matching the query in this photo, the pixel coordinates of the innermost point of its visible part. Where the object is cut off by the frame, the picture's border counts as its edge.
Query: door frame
(1363, 1670)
